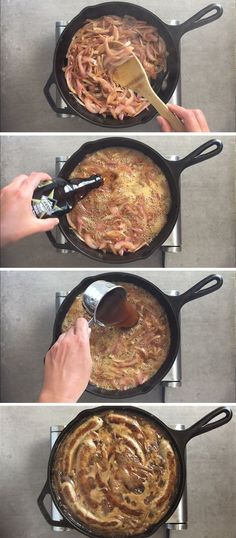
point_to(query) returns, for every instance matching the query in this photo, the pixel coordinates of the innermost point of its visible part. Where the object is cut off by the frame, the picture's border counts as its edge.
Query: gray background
(207, 191)
(28, 313)
(207, 63)
(25, 452)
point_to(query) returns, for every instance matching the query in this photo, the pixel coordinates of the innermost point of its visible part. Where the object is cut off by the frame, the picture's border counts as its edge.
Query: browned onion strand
(129, 209)
(97, 49)
(126, 358)
(117, 473)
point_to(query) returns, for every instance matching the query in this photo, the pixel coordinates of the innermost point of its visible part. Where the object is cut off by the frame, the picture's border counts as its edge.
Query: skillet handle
(203, 425)
(47, 92)
(196, 156)
(65, 246)
(62, 523)
(198, 290)
(196, 21)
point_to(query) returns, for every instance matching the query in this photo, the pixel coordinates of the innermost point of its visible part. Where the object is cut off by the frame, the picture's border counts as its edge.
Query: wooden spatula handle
(163, 110)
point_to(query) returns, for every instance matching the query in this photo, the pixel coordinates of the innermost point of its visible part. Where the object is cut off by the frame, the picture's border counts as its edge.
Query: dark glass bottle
(57, 196)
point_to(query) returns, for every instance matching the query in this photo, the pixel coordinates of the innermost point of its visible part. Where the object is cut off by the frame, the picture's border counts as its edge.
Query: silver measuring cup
(94, 298)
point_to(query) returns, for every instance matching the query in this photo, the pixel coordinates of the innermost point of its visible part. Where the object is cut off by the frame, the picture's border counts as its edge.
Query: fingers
(194, 120)
(164, 125)
(201, 120)
(44, 225)
(70, 333)
(18, 180)
(32, 181)
(29, 182)
(180, 111)
(81, 326)
(61, 337)
(80, 330)
(187, 116)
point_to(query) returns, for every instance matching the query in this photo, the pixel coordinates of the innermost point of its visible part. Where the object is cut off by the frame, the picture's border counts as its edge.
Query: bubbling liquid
(116, 473)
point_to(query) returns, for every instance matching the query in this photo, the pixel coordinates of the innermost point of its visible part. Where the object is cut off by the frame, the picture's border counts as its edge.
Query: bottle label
(57, 199)
(48, 205)
(44, 206)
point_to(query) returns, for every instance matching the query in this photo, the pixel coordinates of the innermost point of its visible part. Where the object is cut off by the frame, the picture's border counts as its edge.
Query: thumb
(164, 125)
(44, 225)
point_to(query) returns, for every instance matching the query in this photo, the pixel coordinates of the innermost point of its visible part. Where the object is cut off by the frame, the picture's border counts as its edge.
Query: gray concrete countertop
(208, 324)
(207, 198)
(211, 477)
(28, 44)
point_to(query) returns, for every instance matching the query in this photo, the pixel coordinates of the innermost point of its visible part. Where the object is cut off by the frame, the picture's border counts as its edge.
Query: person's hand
(194, 120)
(68, 366)
(17, 219)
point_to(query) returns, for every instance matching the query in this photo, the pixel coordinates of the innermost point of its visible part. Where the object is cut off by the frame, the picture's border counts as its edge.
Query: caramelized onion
(101, 45)
(123, 475)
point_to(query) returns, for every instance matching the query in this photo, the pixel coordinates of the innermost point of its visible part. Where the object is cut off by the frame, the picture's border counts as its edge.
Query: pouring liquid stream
(120, 313)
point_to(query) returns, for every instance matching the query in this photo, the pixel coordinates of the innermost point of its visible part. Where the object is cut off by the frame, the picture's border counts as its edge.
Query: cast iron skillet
(164, 88)
(172, 171)
(178, 440)
(172, 306)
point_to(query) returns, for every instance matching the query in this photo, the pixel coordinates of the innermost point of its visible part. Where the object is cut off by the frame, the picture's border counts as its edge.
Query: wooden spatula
(132, 75)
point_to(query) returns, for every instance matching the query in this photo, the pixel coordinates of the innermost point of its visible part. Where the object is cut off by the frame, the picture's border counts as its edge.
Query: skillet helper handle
(65, 246)
(163, 110)
(205, 424)
(198, 290)
(198, 20)
(47, 92)
(62, 523)
(196, 156)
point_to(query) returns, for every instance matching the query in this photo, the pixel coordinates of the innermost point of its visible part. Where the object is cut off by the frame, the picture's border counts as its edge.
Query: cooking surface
(206, 190)
(207, 457)
(24, 107)
(28, 313)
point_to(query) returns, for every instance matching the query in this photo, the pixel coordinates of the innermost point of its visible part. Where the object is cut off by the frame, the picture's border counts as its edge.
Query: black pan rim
(156, 243)
(137, 280)
(109, 122)
(130, 411)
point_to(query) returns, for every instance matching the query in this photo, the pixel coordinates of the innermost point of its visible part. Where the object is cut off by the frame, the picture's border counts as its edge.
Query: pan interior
(145, 286)
(111, 39)
(159, 239)
(164, 88)
(117, 463)
(129, 209)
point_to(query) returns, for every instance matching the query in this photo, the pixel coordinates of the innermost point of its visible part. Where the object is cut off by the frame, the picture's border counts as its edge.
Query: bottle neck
(93, 179)
(83, 186)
